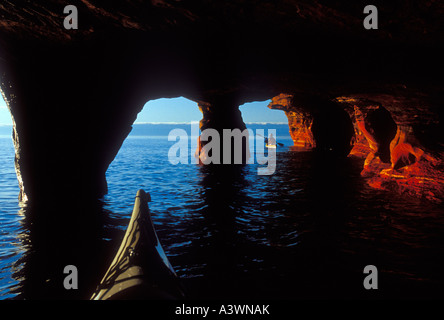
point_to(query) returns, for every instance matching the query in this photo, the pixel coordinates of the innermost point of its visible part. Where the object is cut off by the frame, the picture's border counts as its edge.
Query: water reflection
(306, 231)
(223, 192)
(273, 236)
(263, 237)
(67, 233)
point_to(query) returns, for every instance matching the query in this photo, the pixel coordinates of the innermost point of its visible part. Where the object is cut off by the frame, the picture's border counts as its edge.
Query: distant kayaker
(271, 141)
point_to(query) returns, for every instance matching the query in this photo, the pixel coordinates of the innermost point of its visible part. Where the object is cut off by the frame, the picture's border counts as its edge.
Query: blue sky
(259, 112)
(5, 116)
(183, 110)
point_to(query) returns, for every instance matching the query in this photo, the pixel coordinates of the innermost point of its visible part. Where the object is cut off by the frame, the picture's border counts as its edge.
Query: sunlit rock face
(74, 94)
(300, 125)
(299, 121)
(395, 159)
(316, 122)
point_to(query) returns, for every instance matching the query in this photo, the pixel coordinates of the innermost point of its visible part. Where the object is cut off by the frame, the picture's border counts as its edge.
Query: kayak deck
(140, 269)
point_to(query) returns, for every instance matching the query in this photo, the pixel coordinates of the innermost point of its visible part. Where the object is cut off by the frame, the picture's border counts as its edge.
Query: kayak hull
(140, 269)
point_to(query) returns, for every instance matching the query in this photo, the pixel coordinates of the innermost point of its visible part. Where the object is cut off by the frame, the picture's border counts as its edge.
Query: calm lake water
(307, 231)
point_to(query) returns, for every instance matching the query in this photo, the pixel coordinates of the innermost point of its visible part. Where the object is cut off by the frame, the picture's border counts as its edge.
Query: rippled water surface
(10, 245)
(306, 231)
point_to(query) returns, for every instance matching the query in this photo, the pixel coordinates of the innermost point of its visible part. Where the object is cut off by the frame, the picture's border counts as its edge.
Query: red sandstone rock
(316, 122)
(299, 122)
(423, 179)
(412, 171)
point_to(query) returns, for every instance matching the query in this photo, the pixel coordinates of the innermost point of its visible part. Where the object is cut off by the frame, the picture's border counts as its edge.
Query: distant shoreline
(182, 123)
(164, 129)
(168, 123)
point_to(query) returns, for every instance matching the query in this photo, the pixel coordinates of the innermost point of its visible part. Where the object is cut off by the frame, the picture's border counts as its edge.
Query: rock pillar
(224, 135)
(66, 128)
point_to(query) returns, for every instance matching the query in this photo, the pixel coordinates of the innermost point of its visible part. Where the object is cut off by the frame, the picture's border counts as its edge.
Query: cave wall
(74, 94)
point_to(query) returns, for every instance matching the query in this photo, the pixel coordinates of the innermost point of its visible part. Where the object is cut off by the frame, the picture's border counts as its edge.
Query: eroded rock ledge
(395, 158)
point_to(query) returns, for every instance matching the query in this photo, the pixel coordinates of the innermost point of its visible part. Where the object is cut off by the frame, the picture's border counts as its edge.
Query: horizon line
(191, 122)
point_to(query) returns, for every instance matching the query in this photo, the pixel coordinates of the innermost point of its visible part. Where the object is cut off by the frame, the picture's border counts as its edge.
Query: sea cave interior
(359, 152)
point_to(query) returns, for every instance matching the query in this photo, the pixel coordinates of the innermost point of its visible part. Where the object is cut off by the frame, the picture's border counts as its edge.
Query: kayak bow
(140, 269)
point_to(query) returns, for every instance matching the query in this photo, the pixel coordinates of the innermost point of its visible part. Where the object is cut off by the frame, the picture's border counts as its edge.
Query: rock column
(224, 138)
(68, 124)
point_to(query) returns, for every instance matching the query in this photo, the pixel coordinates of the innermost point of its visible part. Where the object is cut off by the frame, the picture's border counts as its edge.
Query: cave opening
(146, 148)
(162, 123)
(259, 116)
